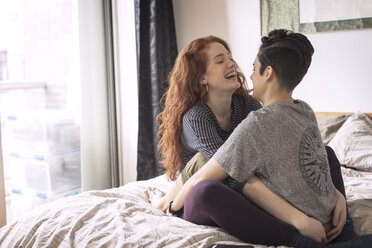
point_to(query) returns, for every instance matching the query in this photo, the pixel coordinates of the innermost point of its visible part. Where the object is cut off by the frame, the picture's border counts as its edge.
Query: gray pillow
(329, 125)
(353, 142)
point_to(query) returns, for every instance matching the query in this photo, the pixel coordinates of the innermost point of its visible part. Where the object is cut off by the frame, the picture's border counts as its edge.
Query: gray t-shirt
(281, 145)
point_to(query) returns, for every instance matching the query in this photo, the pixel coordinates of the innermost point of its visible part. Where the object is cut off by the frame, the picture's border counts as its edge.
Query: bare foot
(157, 199)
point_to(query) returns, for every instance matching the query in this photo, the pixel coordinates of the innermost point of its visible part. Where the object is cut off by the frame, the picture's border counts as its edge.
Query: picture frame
(287, 14)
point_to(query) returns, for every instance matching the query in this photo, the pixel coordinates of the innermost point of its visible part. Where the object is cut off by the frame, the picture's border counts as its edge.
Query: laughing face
(220, 74)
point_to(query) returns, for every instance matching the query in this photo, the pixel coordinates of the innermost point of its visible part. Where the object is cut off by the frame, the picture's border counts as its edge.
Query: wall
(339, 77)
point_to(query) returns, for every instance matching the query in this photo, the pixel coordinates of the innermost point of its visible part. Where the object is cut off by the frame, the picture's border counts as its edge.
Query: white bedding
(123, 217)
(358, 187)
(119, 217)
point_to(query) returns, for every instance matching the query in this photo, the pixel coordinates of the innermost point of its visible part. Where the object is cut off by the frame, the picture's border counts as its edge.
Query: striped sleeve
(200, 132)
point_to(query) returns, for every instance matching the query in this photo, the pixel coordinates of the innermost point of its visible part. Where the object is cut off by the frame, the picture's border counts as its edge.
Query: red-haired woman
(207, 98)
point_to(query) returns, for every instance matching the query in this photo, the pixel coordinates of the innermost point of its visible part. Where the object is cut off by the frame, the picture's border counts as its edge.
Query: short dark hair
(288, 53)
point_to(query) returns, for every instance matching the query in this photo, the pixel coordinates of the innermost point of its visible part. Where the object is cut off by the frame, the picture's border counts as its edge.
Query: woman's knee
(207, 187)
(206, 191)
(199, 202)
(195, 164)
(335, 170)
(332, 158)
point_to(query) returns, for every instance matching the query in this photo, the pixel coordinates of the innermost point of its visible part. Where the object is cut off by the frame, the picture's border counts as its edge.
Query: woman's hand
(158, 199)
(312, 228)
(339, 218)
(255, 190)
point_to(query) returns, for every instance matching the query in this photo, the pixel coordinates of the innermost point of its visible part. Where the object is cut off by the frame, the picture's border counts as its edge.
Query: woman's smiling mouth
(230, 75)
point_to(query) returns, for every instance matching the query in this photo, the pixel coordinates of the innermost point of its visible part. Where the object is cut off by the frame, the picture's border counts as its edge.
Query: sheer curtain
(2, 188)
(135, 82)
(126, 88)
(95, 132)
(156, 51)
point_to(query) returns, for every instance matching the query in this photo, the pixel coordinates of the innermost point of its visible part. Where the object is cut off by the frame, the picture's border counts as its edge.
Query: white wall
(339, 78)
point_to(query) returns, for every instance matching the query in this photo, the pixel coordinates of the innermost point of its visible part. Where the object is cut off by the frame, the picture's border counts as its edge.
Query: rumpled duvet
(123, 217)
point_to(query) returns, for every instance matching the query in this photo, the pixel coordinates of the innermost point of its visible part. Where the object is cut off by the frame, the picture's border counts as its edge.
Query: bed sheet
(123, 217)
(118, 217)
(358, 188)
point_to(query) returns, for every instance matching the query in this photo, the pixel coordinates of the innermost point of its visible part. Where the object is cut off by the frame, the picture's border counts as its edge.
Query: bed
(123, 217)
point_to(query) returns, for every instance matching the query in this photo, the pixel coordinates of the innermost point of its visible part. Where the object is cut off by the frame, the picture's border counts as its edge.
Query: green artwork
(286, 14)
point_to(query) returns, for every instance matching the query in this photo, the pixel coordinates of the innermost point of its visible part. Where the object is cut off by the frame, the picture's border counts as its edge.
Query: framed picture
(310, 16)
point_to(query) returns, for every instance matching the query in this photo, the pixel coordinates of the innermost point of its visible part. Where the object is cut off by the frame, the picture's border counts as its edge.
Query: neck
(220, 105)
(221, 108)
(277, 96)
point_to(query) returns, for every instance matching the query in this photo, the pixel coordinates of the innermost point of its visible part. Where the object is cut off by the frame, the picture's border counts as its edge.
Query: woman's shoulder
(246, 102)
(197, 112)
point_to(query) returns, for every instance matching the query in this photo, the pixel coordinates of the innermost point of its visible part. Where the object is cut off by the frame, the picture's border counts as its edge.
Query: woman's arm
(200, 133)
(256, 191)
(211, 170)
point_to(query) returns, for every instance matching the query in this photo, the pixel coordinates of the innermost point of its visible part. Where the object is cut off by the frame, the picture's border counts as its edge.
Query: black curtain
(156, 51)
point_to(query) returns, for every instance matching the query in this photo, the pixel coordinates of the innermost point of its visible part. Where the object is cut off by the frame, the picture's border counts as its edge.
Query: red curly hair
(185, 91)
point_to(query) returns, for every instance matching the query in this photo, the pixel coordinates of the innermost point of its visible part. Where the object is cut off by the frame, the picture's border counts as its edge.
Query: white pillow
(353, 142)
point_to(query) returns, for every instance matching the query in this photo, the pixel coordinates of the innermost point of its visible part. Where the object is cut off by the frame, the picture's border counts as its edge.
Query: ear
(203, 80)
(269, 73)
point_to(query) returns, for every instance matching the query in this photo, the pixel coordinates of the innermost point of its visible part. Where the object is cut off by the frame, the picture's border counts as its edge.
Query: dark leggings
(212, 203)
